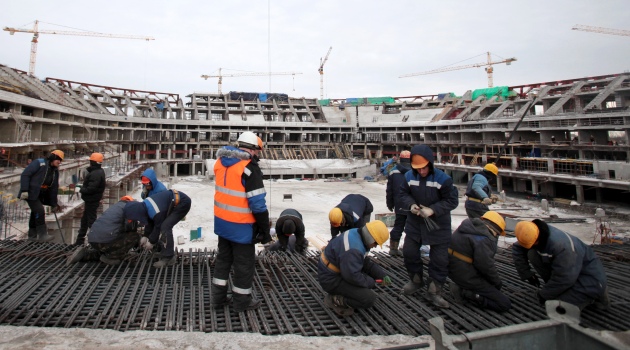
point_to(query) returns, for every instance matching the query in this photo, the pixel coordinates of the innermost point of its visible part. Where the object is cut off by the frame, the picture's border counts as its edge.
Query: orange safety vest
(230, 198)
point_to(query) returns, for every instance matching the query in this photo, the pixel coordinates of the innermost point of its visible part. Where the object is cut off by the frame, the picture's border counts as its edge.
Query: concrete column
(174, 169)
(158, 155)
(137, 155)
(598, 195)
(550, 167)
(579, 193)
(190, 153)
(499, 184)
(581, 154)
(534, 186)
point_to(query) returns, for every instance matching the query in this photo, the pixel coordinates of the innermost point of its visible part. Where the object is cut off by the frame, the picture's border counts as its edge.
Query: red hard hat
(145, 180)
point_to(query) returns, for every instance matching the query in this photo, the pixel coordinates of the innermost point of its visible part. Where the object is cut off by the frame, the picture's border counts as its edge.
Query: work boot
(109, 261)
(338, 304)
(77, 255)
(456, 293)
(80, 241)
(603, 303)
(42, 234)
(166, 261)
(253, 305)
(472, 296)
(414, 285)
(32, 234)
(219, 296)
(393, 248)
(434, 293)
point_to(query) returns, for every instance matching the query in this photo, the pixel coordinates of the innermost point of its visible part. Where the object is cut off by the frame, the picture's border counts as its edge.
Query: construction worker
(346, 272)
(290, 224)
(111, 237)
(91, 193)
(353, 211)
(478, 192)
(159, 213)
(430, 196)
(150, 184)
(39, 184)
(394, 183)
(241, 220)
(471, 262)
(570, 269)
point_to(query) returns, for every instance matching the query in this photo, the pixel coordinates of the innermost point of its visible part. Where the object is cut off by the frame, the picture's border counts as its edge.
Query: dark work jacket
(478, 183)
(296, 217)
(394, 183)
(348, 252)
(110, 225)
(33, 177)
(93, 184)
(152, 212)
(354, 207)
(435, 191)
(474, 240)
(574, 265)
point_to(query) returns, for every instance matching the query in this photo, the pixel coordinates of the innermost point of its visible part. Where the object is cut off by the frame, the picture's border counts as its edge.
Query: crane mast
(247, 74)
(321, 73)
(601, 30)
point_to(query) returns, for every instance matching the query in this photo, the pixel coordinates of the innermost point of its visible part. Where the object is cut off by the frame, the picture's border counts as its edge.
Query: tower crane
(488, 68)
(246, 74)
(322, 62)
(36, 32)
(601, 30)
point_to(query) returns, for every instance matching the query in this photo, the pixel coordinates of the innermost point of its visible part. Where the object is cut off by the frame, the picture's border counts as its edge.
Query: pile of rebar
(38, 289)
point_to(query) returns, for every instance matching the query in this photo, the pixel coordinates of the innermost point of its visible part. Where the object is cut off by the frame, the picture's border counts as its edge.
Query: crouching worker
(160, 213)
(111, 237)
(345, 271)
(471, 262)
(571, 270)
(290, 230)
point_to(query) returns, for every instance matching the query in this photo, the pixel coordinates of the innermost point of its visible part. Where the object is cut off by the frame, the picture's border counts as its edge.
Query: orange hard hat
(405, 154)
(58, 153)
(526, 233)
(127, 198)
(145, 180)
(97, 157)
(418, 161)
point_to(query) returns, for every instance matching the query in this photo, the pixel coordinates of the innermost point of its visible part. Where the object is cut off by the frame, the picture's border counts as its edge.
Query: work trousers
(166, 230)
(240, 257)
(493, 299)
(38, 215)
(355, 297)
(118, 248)
(399, 227)
(88, 218)
(438, 258)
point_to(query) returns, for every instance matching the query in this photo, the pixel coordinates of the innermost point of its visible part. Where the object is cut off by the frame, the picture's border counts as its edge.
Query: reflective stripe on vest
(230, 199)
(460, 256)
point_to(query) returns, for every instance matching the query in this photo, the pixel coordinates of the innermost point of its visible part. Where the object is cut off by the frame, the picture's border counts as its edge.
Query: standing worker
(241, 220)
(394, 183)
(471, 262)
(290, 223)
(91, 193)
(150, 184)
(354, 211)
(430, 196)
(160, 213)
(570, 269)
(478, 192)
(39, 184)
(346, 272)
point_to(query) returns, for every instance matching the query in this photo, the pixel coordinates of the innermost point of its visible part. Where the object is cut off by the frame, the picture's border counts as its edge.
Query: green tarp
(325, 102)
(489, 92)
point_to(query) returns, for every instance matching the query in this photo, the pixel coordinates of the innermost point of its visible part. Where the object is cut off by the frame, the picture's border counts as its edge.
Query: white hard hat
(249, 140)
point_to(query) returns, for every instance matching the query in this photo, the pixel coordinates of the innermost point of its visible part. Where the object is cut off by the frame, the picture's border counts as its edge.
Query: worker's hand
(390, 209)
(262, 237)
(494, 198)
(143, 241)
(541, 300)
(148, 245)
(533, 280)
(145, 193)
(486, 201)
(499, 285)
(386, 281)
(415, 209)
(56, 209)
(23, 195)
(425, 212)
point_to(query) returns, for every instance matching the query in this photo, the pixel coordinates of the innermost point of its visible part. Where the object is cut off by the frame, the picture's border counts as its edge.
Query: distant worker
(290, 224)
(160, 105)
(346, 272)
(150, 184)
(479, 193)
(160, 213)
(395, 182)
(570, 269)
(241, 220)
(111, 237)
(429, 194)
(353, 211)
(471, 262)
(387, 167)
(91, 193)
(39, 184)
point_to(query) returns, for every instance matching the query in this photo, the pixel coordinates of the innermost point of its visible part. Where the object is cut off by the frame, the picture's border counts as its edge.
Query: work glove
(23, 195)
(487, 201)
(415, 209)
(425, 212)
(499, 285)
(386, 281)
(390, 209)
(145, 193)
(533, 280)
(541, 300)
(494, 198)
(262, 237)
(56, 209)
(262, 228)
(143, 241)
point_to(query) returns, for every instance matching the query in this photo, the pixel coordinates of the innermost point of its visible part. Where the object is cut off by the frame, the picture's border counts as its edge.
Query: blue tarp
(262, 97)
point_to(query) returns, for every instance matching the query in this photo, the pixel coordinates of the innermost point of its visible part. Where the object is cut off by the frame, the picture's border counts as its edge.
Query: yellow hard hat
(492, 168)
(58, 153)
(495, 218)
(379, 231)
(526, 233)
(336, 217)
(97, 157)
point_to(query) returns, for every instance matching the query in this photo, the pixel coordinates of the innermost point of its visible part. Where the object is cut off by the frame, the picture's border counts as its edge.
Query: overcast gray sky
(374, 42)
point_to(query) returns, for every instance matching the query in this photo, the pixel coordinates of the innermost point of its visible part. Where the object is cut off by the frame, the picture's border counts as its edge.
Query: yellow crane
(601, 30)
(322, 62)
(36, 32)
(245, 74)
(488, 68)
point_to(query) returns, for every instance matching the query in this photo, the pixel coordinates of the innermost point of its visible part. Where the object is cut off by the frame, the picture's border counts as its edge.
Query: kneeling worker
(290, 224)
(571, 270)
(471, 262)
(347, 273)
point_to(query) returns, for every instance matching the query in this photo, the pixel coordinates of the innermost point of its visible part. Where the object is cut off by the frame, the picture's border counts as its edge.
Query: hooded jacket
(240, 208)
(349, 253)
(294, 216)
(157, 185)
(354, 207)
(574, 265)
(33, 178)
(435, 191)
(93, 184)
(474, 240)
(394, 183)
(110, 225)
